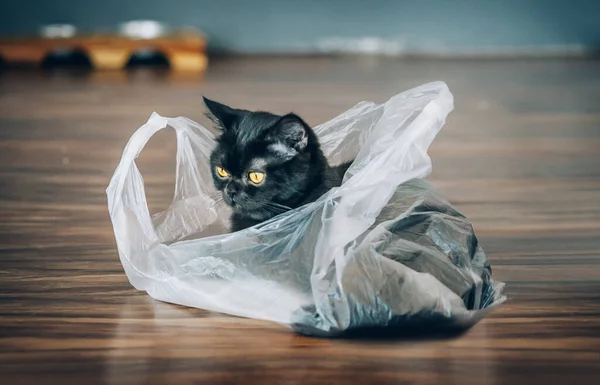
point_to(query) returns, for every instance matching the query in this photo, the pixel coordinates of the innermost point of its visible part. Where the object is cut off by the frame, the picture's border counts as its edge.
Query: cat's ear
(221, 115)
(291, 131)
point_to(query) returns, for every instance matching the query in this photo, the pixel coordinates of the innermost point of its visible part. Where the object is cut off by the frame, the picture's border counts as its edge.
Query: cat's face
(260, 160)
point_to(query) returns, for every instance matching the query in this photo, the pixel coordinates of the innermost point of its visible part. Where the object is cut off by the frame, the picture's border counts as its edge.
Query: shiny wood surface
(520, 156)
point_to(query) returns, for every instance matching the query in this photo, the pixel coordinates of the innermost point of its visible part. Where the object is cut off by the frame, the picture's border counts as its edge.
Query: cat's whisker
(216, 201)
(277, 208)
(271, 206)
(278, 205)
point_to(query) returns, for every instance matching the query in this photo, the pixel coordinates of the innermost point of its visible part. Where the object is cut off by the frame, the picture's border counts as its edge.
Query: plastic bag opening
(382, 250)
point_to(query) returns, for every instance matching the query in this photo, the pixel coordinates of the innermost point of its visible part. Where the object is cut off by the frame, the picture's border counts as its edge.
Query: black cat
(265, 164)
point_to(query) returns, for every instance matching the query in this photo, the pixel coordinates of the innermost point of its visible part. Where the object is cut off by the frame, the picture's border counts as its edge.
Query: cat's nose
(231, 191)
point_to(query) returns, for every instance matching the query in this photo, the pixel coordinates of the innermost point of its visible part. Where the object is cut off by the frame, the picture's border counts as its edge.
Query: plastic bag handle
(128, 209)
(135, 145)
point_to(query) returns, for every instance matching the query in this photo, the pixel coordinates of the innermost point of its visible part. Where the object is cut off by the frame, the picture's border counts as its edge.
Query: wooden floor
(520, 156)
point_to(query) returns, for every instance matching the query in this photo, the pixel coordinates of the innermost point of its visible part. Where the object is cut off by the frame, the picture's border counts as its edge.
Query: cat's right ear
(221, 115)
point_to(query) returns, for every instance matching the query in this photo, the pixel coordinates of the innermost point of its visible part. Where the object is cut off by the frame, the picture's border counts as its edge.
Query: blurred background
(390, 27)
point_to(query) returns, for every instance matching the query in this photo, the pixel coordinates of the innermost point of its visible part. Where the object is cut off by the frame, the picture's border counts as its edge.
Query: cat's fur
(283, 147)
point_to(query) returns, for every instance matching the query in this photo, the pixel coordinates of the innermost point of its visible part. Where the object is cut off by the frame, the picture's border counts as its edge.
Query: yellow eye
(222, 173)
(256, 177)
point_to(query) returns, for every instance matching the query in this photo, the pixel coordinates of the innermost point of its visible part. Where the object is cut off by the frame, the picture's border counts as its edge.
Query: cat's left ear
(222, 116)
(291, 131)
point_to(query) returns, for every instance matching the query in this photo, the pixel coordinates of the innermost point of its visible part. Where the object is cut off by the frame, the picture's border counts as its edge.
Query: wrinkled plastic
(382, 250)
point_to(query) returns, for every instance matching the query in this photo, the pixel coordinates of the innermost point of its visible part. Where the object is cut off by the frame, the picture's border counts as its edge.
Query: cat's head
(262, 161)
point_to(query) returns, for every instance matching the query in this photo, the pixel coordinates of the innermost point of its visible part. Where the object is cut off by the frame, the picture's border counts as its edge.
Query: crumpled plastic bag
(382, 250)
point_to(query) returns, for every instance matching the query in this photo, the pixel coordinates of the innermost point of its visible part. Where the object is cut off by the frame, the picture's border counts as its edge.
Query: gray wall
(401, 26)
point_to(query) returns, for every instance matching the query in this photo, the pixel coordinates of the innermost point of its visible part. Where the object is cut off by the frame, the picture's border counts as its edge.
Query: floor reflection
(156, 342)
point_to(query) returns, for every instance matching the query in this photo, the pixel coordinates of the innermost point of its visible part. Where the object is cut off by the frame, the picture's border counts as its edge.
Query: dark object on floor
(186, 52)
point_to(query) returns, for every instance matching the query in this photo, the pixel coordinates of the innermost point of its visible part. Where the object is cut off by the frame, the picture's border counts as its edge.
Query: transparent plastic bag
(382, 250)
